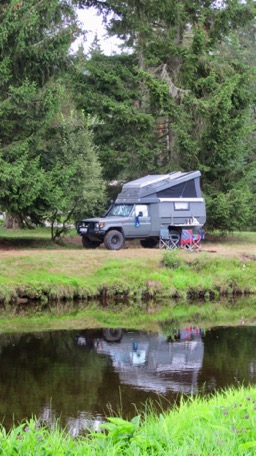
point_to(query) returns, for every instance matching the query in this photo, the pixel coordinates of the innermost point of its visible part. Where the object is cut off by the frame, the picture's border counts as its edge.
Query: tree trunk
(13, 223)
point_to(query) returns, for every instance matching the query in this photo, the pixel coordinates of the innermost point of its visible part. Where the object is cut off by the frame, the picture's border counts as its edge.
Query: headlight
(96, 226)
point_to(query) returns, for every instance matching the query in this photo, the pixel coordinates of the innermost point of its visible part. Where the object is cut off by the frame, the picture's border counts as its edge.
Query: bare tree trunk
(13, 223)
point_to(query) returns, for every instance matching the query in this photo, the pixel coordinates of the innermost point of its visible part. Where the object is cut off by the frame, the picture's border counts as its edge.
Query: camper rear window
(181, 206)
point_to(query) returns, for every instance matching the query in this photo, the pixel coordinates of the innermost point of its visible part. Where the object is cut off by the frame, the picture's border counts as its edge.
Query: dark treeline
(180, 95)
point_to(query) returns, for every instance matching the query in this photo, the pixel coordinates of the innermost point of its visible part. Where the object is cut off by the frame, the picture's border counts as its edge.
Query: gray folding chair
(164, 239)
(169, 239)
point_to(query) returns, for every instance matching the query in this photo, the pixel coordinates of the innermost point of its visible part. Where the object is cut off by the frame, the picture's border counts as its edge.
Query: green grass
(148, 316)
(56, 272)
(236, 236)
(223, 275)
(33, 233)
(36, 233)
(39, 237)
(221, 425)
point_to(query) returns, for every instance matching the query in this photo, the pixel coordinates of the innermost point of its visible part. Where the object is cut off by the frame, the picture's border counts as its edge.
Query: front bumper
(90, 232)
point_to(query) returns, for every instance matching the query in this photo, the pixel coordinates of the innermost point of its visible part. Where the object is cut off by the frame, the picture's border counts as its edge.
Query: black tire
(114, 240)
(149, 243)
(88, 244)
(113, 334)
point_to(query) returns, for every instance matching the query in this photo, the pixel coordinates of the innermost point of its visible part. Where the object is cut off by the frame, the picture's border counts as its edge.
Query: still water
(80, 376)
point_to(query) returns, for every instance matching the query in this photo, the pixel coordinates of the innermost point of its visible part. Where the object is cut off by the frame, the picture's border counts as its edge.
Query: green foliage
(110, 88)
(74, 181)
(195, 66)
(120, 432)
(181, 98)
(173, 260)
(35, 38)
(231, 211)
(23, 119)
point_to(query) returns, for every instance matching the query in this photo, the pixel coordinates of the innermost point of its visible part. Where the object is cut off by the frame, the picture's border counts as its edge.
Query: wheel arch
(117, 228)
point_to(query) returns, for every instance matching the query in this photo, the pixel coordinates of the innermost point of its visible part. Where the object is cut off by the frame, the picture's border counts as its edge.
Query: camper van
(146, 206)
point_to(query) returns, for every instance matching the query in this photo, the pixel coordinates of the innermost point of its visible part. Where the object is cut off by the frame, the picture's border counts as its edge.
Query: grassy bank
(30, 269)
(221, 425)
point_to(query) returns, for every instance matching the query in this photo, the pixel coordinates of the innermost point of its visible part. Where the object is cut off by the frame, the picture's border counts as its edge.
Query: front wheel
(149, 243)
(114, 240)
(113, 334)
(88, 244)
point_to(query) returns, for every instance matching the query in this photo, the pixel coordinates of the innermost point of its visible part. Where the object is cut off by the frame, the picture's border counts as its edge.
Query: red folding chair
(190, 240)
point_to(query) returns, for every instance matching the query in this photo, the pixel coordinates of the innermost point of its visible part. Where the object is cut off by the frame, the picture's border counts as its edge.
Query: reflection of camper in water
(112, 334)
(152, 362)
(93, 338)
(189, 333)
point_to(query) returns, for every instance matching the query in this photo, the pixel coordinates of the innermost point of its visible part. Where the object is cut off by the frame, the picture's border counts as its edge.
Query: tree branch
(175, 92)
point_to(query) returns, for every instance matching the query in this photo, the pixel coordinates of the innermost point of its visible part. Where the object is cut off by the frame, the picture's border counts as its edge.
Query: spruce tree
(35, 54)
(195, 85)
(34, 50)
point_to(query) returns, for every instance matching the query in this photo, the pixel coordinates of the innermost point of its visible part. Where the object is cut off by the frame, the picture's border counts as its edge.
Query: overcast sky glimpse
(92, 23)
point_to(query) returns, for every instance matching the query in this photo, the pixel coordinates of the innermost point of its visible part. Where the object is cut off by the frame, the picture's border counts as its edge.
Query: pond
(82, 376)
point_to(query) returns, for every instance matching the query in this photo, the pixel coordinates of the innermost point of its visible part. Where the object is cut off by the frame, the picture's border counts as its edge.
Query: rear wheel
(88, 244)
(149, 243)
(114, 240)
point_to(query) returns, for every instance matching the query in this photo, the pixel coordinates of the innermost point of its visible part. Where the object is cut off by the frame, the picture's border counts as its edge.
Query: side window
(181, 206)
(141, 210)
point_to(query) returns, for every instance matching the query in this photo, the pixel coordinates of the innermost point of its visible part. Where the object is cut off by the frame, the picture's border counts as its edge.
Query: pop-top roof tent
(157, 186)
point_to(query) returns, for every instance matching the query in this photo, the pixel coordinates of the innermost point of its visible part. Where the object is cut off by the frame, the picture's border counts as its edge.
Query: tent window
(184, 190)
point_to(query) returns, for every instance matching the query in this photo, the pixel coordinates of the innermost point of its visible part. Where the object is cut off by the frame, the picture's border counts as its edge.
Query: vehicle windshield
(122, 210)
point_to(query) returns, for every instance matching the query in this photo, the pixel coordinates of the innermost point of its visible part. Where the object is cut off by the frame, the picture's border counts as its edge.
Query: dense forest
(179, 95)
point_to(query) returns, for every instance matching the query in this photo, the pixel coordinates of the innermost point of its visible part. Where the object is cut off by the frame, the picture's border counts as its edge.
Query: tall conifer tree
(34, 49)
(196, 90)
(48, 163)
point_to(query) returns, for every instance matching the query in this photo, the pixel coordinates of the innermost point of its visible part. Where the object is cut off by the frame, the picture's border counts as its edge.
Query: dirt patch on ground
(235, 248)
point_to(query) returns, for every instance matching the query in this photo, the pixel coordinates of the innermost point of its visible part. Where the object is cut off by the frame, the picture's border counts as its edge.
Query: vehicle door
(139, 224)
